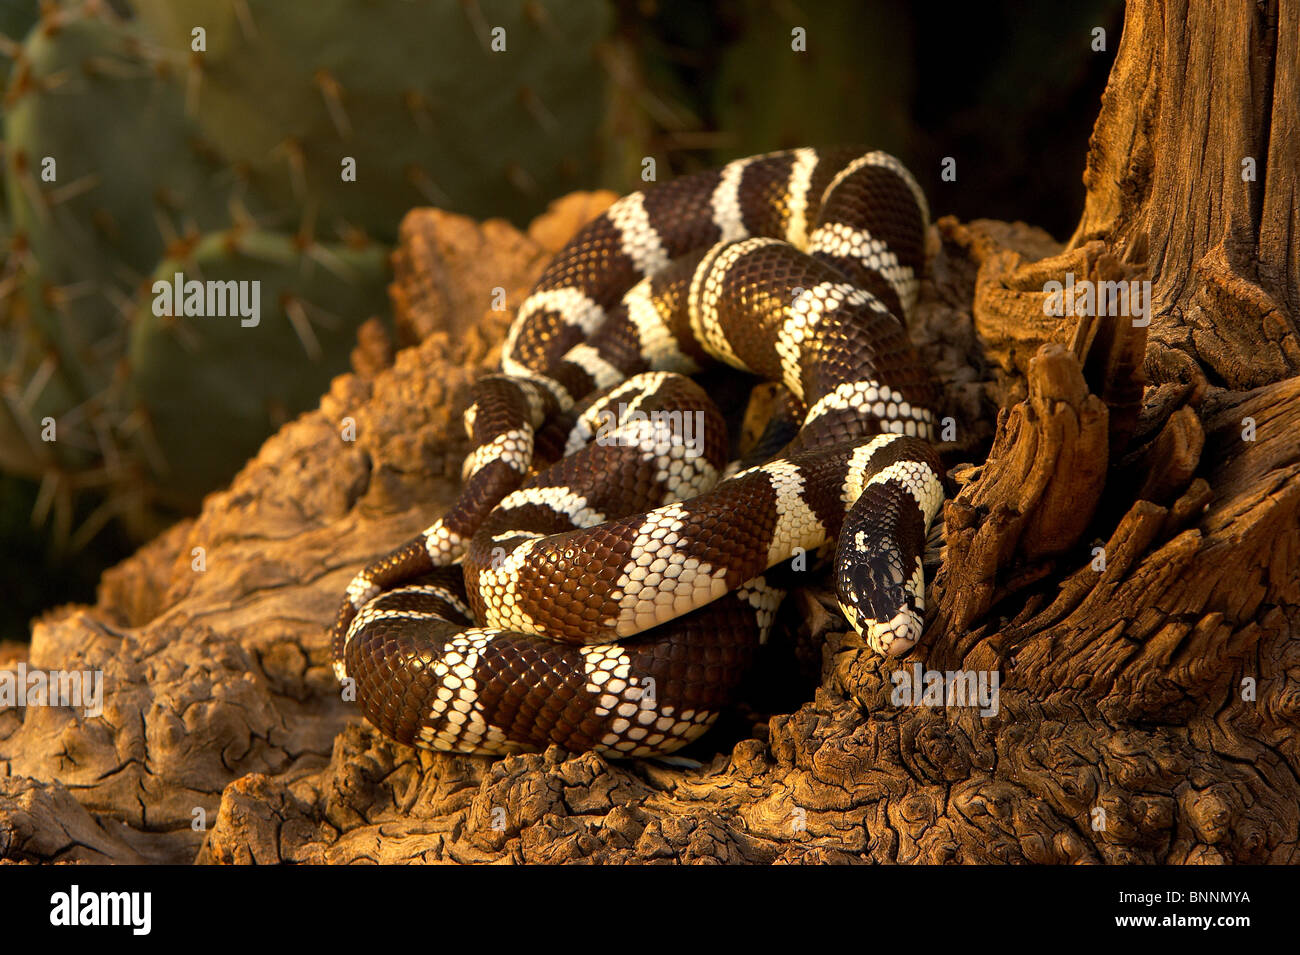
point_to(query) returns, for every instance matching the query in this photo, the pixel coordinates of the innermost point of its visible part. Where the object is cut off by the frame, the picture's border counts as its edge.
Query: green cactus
(214, 386)
(16, 18)
(136, 148)
(413, 92)
(102, 173)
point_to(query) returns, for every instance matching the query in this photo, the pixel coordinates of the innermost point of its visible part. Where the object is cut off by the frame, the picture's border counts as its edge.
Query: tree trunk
(1125, 562)
(1128, 557)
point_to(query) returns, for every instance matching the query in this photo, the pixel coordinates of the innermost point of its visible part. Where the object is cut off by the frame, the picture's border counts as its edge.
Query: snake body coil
(601, 582)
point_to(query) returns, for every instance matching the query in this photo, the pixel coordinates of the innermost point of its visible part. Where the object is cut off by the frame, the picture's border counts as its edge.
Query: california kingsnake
(582, 522)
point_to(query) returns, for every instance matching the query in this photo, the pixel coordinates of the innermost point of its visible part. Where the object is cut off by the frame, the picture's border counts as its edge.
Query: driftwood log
(1122, 549)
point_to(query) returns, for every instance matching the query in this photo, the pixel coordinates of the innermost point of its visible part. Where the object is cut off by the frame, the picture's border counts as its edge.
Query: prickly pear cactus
(131, 130)
(489, 108)
(106, 174)
(102, 172)
(277, 321)
(16, 18)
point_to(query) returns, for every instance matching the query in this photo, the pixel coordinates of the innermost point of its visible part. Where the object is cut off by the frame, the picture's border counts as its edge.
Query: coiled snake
(596, 584)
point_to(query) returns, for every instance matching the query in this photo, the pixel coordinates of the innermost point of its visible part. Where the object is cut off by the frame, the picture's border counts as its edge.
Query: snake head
(879, 601)
(878, 560)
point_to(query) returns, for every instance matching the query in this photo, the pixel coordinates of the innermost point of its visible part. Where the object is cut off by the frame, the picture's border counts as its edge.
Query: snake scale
(601, 582)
